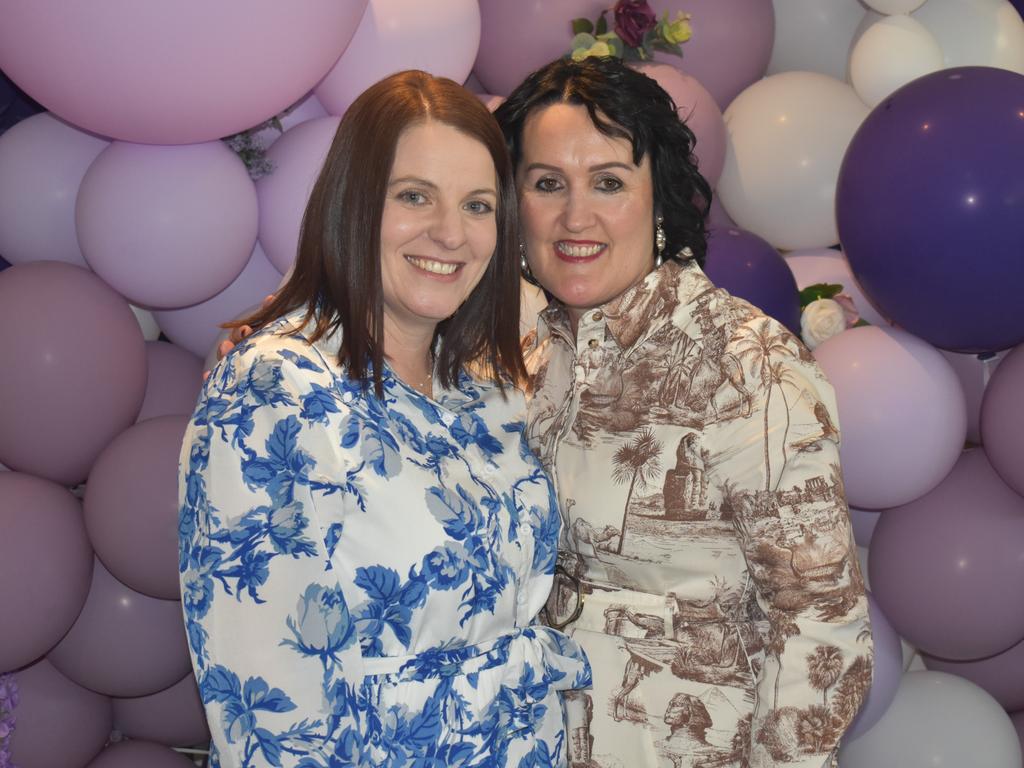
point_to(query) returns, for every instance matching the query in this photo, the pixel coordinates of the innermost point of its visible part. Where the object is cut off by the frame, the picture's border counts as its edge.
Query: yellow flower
(678, 31)
(600, 48)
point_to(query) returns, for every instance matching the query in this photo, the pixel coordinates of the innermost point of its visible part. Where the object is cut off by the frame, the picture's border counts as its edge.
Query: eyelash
(408, 195)
(601, 185)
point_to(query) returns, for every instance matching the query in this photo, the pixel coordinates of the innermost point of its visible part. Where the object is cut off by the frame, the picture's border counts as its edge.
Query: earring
(524, 265)
(659, 241)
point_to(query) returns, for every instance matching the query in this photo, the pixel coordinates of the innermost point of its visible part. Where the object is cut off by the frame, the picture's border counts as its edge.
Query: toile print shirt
(693, 444)
(360, 575)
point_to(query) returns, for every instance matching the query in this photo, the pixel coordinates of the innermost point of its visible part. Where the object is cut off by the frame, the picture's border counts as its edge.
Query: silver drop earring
(524, 266)
(659, 241)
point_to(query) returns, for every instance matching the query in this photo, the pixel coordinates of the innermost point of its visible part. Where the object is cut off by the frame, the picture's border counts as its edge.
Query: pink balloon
(43, 161)
(1002, 420)
(440, 37)
(518, 38)
(196, 328)
(131, 506)
(864, 522)
(718, 218)
(885, 674)
(136, 754)
(297, 158)
(178, 72)
(60, 724)
(167, 226)
(491, 101)
(974, 372)
(175, 378)
(123, 643)
(75, 370)
(174, 717)
(825, 265)
(1001, 675)
(730, 47)
(309, 108)
(700, 112)
(902, 414)
(45, 563)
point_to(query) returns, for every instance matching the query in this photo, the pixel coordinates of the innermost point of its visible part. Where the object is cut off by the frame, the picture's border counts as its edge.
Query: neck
(409, 353)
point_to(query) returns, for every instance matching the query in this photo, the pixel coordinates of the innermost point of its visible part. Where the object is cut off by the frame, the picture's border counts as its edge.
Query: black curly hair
(624, 103)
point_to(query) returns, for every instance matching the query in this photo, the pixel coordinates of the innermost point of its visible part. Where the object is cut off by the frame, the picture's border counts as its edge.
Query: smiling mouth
(434, 267)
(578, 251)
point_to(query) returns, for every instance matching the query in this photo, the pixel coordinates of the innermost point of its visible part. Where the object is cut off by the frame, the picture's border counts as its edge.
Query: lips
(579, 251)
(442, 268)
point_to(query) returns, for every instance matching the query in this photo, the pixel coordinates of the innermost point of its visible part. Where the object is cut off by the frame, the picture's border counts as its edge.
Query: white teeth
(437, 267)
(578, 251)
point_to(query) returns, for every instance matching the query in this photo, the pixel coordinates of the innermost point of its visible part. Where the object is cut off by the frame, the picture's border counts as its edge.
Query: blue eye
(479, 206)
(412, 197)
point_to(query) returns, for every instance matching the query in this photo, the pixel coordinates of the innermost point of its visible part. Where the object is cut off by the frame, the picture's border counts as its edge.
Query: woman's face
(587, 211)
(439, 226)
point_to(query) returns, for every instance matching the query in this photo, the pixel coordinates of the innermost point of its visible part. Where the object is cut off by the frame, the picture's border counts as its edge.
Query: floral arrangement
(825, 311)
(8, 701)
(636, 34)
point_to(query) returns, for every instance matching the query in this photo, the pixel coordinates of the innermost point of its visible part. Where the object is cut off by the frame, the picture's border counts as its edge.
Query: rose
(821, 319)
(633, 20)
(321, 624)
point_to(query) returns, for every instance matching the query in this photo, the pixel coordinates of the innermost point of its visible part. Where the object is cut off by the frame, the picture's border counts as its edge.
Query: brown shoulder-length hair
(337, 273)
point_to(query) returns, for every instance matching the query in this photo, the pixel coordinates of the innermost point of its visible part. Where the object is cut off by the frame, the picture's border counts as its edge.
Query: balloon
(518, 38)
(175, 378)
(45, 562)
(60, 724)
(718, 218)
(890, 54)
(813, 36)
(43, 161)
(946, 567)
(297, 158)
(309, 108)
(902, 414)
(830, 266)
(731, 43)
(490, 101)
(147, 323)
(746, 266)
(440, 37)
(167, 226)
(1002, 675)
(174, 716)
(75, 373)
(893, 6)
(887, 671)
(133, 754)
(700, 112)
(786, 138)
(123, 643)
(986, 33)
(864, 522)
(1002, 420)
(196, 328)
(937, 720)
(1017, 718)
(131, 506)
(974, 372)
(932, 175)
(159, 73)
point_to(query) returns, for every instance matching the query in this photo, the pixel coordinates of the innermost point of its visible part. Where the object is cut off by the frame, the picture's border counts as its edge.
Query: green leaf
(582, 40)
(582, 25)
(672, 48)
(819, 291)
(861, 323)
(602, 23)
(617, 46)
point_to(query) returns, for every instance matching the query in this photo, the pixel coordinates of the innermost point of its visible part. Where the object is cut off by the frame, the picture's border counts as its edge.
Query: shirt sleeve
(273, 645)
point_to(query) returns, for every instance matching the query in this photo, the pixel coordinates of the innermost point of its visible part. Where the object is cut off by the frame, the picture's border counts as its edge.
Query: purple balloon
(1002, 420)
(196, 328)
(947, 568)
(749, 267)
(60, 724)
(174, 717)
(886, 672)
(930, 208)
(123, 643)
(75, 370)
(1001, 675)
(974, 372)
(864, 522)
(131, 506)
(718, 218)
(135, 754)
(45, 563)
(175, 378)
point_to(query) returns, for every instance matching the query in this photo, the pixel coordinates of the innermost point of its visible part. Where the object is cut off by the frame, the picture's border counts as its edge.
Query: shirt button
(597, 315)
(593, 343)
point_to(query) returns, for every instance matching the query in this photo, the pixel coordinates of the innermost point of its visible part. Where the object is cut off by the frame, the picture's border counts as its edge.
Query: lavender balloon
(175, 378)
(947, 568)
(133, 754)
(174, 716)
(930, 208)
(1002, 420)
(886, 672)
(1001, 675)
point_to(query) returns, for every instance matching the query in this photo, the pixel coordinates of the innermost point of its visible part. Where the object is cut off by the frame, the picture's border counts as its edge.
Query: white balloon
(910, 655)
(937, 720)
(890, 7)
(987, 33)
(150, 330)
(890, 54)
(785, 140)
(813, 35)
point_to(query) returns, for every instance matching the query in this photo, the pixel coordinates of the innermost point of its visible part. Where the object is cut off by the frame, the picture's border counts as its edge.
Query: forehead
(433, 147)
(565, 132)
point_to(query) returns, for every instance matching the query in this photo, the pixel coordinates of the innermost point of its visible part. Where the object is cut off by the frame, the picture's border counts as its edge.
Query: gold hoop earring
(660, 241)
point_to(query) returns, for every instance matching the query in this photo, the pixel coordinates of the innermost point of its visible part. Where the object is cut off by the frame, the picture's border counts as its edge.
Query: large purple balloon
(123, 643)
(948, 568)
(1001, 675)
(885, 674)
(60, 724)
(74, 372)
(131, 506)
(1002, 420)
(135, 754)
(175, 378)
(174, 717)
(45, 563)
(749, 267)
(930, 208)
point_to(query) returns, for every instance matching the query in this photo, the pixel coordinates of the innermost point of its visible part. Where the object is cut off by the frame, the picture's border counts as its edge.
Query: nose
(578, 213)
(447, 229)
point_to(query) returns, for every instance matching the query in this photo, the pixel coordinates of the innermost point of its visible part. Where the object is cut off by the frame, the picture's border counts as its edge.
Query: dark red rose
(633, 19)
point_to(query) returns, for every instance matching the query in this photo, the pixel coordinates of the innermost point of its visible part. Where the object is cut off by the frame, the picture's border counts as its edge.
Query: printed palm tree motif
(823, 669)
(852, 689)
(815, 728)
(761, 345)
(639, 460)
(782, 628)
(783, 374)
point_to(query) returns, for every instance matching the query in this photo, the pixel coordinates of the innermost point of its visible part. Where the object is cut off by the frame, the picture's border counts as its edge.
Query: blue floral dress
(360, 575)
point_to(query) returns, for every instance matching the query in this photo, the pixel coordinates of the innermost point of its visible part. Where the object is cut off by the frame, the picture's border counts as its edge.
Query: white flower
(821, 319)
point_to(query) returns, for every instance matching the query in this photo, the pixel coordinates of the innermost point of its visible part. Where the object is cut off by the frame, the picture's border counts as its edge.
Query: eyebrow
(591, 169)
(432, 185)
